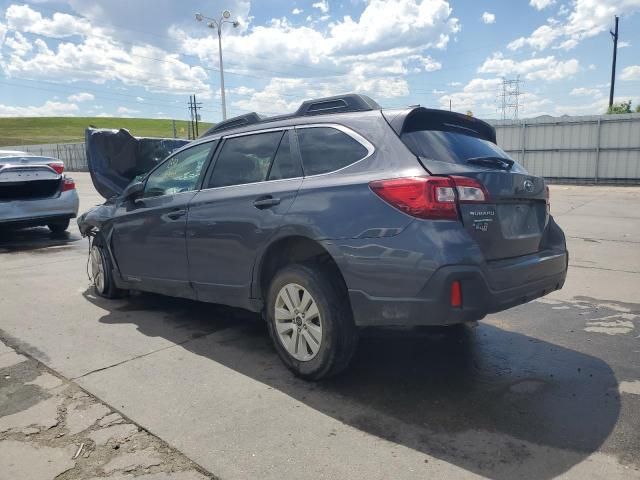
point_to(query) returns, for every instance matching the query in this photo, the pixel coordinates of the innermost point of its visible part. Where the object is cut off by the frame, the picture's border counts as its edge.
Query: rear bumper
(33, 212)
(490, 289)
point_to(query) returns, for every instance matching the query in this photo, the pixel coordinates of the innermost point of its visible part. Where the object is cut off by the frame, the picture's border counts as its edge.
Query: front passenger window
(179, 173)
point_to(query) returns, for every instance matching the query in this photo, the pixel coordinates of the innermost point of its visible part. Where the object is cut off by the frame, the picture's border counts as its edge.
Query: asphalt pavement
(547, 389)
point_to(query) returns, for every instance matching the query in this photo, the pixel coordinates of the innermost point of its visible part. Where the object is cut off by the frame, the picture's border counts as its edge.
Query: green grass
(37, 130)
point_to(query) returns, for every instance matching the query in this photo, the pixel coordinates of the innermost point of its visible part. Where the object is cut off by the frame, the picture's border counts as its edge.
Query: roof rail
(235, 122)
(350, 102)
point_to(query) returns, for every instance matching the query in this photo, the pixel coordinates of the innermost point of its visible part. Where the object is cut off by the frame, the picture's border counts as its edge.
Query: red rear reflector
(68, 184)
(456, 294)
(422, 197)
(57, 166)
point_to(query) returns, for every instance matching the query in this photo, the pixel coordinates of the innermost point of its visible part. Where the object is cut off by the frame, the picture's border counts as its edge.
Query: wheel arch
(291, 249)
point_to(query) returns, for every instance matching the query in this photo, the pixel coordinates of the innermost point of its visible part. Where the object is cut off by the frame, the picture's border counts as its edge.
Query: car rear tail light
(57, 166)
(422, 197)
(431, 198)
(470, 190)
(68, 184)
(456, 294)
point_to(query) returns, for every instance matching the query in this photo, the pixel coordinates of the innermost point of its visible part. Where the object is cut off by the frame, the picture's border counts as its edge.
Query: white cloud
(296, 11)
(488, 18)
(139, 99)
(624, 44)
(540, 4)
(371, 53)
(541, 38)
(631, 73)
(126, 111)
(322, 5)
(48, 109)
(586, 92)
(3, 32)
(587, 18)
(19, 45)
(543, 68)
(97, 58)
(81, 97)
(23, 18)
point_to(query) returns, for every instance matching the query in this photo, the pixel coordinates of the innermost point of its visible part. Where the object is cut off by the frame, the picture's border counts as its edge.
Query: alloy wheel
(97, 268)
(298, 322)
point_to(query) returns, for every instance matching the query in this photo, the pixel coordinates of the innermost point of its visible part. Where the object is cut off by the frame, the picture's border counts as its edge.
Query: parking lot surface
(548, 389)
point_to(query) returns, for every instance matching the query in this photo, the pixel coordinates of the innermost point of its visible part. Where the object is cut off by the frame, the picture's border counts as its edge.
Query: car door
(254, 181)
(149, 233)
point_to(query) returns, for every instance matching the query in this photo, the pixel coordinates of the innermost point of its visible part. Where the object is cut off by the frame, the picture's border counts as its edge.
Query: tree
(469, 113)
(638, 109)
(621, 107)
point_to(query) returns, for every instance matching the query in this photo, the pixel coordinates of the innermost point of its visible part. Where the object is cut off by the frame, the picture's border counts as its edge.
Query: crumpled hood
(115, 157)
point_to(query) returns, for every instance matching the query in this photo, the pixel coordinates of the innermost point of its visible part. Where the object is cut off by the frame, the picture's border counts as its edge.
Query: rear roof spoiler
(420, 118)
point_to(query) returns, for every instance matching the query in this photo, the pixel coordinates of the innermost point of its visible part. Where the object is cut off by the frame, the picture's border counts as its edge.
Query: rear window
(325, 149)
(451, 147)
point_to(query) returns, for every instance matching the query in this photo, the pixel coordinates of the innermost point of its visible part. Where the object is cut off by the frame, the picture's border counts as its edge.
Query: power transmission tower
(613, 65)
(510, 98)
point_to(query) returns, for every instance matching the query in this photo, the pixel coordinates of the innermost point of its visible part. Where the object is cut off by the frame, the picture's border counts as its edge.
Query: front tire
(310, 321)
(101, 272)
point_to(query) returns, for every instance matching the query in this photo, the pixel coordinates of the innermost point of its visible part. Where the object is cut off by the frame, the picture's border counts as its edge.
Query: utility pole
(190, 130)
(510, 98)
(613, 65)
(194, 117)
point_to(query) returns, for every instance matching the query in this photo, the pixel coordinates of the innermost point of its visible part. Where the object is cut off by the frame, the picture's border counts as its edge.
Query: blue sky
(143, 58)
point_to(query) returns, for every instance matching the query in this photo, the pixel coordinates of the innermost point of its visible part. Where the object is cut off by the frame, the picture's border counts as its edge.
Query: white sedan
(34, 191)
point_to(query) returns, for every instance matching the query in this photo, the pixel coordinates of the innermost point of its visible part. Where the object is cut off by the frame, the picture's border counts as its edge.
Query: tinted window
(451, 147)
(179, 173)
(326, 149)
(285, 165)
(245, 159)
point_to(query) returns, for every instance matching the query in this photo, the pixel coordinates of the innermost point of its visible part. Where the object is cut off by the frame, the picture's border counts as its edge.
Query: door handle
(176, 214)
(266, 202)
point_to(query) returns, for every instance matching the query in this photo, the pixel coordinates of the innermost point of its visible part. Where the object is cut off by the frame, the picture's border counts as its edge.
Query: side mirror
(133, 191)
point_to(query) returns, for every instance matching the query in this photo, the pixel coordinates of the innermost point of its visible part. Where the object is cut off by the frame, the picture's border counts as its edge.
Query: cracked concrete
(57, 431)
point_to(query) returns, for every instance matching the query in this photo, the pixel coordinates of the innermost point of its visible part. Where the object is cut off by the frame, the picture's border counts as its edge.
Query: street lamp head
(199, 17)
(226, 14)
(211, 25)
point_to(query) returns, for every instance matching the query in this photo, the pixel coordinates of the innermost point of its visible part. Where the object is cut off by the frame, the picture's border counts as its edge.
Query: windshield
(453, 147)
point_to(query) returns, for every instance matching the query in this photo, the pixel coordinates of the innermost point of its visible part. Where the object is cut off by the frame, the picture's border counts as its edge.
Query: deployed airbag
(115, 157)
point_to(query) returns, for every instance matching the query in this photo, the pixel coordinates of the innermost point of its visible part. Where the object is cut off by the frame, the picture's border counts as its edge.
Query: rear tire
(321, 344)
(101, 271)
(59, 227)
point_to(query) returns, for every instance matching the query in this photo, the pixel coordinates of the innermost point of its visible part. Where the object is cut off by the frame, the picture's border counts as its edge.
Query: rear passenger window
(245, 159)
(285, 165)
(325, 149)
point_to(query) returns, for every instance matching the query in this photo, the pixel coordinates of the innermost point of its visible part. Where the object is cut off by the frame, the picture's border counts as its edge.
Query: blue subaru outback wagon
(340, 216)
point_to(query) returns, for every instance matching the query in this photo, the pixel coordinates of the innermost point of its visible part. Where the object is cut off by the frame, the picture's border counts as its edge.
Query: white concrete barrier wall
(599, 148)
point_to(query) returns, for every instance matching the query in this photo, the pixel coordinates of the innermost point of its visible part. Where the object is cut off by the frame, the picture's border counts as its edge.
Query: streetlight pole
(217, 24)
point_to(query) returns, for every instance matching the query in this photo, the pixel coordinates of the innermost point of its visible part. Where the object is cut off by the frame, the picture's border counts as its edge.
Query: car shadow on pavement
(37, 238)
(494, 402)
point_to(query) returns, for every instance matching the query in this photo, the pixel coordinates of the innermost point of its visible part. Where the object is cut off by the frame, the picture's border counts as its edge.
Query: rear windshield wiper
(496, 162)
